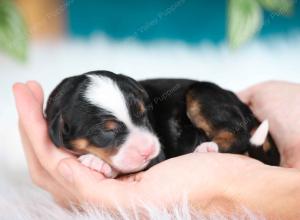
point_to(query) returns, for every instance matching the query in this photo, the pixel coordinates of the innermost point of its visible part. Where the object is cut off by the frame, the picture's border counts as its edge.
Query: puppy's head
(104, 114)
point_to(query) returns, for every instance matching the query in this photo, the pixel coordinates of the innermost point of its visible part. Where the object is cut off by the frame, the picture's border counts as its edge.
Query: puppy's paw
(207, 147)
(95, 163)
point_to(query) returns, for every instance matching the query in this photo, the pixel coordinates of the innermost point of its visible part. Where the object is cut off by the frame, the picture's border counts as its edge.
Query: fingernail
(66, 172)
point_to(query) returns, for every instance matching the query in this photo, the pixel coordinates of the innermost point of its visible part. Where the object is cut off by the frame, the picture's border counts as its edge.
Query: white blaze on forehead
(105, 93)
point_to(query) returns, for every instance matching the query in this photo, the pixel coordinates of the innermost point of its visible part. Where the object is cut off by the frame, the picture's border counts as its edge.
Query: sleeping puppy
(117, 125)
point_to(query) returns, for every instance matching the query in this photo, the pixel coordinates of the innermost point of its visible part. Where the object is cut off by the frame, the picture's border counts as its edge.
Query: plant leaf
(244, 20)
(13, 32)
(283, 7)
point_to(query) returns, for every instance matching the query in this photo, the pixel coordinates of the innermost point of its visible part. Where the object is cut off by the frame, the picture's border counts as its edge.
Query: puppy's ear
(56, 129)
(137, 87)
(57, 101)
(53, 112)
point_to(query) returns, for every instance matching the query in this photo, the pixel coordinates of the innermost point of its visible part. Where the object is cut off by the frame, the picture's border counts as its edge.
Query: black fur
(70, 117)
(221, 107)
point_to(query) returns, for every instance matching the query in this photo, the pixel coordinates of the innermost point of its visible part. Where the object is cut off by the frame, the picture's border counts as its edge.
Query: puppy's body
(131, 125)
(189, 112)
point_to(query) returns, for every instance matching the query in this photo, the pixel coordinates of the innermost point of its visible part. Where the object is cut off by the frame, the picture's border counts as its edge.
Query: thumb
(246, 95)
(75, 174)
(37, 91)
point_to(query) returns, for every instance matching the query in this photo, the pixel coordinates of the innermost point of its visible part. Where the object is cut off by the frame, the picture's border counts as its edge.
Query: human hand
(52, 169)
(279, 102)
(209, 180)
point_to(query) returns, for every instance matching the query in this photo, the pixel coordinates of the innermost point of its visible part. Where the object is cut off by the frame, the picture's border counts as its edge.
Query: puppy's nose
(147, 151)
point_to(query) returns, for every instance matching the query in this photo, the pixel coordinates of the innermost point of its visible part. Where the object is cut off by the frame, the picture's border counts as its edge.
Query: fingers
(31, 117)
(42, 178)
(246, 95)
(77, 178)
(35, 167)
(41, 170)
(91, 186)
(38, 174)
(37, 91)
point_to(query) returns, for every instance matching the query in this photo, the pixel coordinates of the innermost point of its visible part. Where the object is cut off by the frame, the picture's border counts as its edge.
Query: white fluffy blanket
(20, 200)
(49, 62)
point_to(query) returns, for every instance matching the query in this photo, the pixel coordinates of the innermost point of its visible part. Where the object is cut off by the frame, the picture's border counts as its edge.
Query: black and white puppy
(118, 125)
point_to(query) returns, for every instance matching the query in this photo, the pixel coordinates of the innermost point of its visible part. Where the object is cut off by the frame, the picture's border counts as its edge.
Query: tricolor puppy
(117, 125)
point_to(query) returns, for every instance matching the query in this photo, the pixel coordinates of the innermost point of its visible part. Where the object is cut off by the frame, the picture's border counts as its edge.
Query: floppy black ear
(55, 129)
(53, 112)
(57, 101)
(135, 85)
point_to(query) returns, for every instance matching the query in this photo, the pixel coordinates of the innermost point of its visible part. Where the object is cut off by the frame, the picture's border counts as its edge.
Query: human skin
(209, 180)
(279, 102)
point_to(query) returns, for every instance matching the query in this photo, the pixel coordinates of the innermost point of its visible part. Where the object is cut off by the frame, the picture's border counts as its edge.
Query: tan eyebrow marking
(110, 125)
(141, 107)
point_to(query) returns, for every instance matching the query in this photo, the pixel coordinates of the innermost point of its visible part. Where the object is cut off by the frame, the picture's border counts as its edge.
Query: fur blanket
(20, 200)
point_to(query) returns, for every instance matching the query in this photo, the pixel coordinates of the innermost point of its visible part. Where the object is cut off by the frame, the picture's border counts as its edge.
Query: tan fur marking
(267, 145)
(110, 125)
(80, 144)
(195, 115)
(84, 147)
(224, 139)
(141, 107)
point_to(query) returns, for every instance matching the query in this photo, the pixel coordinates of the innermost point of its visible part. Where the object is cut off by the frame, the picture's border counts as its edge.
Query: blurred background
(234, 43)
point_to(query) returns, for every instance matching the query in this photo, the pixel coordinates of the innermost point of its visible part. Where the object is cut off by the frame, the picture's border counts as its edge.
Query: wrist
(270, 191)
(228, 192)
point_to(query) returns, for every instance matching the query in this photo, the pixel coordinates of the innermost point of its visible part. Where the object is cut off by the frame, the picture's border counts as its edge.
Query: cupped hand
(208, 180)
(279, 102)
(52, 169)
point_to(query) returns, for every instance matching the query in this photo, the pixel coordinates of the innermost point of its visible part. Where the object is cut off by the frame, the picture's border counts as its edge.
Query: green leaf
(244, 20)
(283, 7)
(13, 32)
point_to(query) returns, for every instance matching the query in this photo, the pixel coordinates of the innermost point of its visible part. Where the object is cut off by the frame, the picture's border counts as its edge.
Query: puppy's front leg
(207, 147)
(95, 163)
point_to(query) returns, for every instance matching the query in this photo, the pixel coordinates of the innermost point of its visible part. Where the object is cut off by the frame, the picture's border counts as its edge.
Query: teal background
(191, 21)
